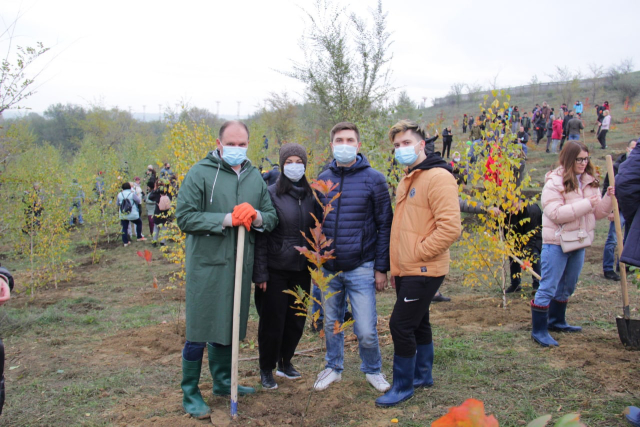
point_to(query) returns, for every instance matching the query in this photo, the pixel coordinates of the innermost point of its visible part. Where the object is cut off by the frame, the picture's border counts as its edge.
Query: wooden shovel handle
(529, 269)
(616, 217)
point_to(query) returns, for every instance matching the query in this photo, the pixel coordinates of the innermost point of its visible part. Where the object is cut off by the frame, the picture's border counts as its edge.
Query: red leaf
(155, 283)
(140, 254)
(148, 255)
(469, 414)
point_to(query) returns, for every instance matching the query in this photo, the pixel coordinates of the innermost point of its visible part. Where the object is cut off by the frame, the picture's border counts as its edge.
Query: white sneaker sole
(283, 375)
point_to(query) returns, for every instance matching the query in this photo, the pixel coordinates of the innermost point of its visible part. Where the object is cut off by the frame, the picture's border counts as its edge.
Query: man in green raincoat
(219, 193)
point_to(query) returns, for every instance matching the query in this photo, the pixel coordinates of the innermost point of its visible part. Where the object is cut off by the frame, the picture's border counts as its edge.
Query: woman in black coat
(278, 266)
(160, 217)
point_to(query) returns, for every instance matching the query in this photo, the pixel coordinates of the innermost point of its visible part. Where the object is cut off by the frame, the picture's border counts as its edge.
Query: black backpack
(126, 206)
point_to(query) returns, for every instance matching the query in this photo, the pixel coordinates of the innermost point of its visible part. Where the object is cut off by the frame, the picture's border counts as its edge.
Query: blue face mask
(344, 153)
(294, 171)
(406, 155)
(234, 155)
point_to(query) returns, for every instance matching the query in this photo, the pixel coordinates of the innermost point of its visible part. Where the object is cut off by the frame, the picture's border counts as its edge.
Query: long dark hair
(568, 156)
(284, 185)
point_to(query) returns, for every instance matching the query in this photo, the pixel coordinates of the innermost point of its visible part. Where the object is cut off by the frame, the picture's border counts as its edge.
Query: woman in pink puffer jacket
(570, 201)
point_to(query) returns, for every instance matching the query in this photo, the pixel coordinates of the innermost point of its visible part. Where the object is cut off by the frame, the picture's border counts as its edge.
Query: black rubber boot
(220, 367)
(539, 332)
(424, 364)
(557, 322)
(192, 400)
(402, 388)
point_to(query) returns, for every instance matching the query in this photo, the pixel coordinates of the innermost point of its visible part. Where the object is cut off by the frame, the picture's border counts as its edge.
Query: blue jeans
(524, 148)
(609, 254)
(560, 273)
(574, 137)
(193, 351)
(77, 206)
(359, 284)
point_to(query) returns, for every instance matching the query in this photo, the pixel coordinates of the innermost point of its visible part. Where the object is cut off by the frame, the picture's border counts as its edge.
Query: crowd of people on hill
(371, 244)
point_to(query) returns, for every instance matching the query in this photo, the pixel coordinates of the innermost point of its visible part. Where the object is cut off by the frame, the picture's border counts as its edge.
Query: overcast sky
(138, 53)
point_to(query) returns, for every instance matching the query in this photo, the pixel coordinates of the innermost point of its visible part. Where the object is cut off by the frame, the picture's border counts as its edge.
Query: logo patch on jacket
(423, 269)
(412, 192)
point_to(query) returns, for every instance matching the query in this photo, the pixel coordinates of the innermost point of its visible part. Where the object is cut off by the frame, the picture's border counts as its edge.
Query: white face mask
(294, 171)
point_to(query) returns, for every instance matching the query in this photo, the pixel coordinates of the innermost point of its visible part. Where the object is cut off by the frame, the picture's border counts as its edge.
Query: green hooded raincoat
(211, 190)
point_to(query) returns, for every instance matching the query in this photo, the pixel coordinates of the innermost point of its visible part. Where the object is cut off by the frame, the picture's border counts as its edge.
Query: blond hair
(406, 125)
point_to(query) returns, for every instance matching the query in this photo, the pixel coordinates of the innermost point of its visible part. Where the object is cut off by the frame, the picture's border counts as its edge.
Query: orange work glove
(243, 214)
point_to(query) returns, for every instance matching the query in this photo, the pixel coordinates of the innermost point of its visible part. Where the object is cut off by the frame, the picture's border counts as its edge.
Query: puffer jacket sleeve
(443, 199)
(604, 208)
(190, 217)
(268, 212)
(554, 207)
(260, 259)
(383, 216)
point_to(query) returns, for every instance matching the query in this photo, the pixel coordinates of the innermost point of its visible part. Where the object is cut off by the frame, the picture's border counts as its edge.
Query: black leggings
(409, 322)
(280, 328)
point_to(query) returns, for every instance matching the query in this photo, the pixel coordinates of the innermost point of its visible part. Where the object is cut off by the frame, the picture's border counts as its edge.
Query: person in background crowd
(600, 114)
(571, 201)
(564, 108)
(606, 106)
(515, 119)
(610, 246)
(265, 142)
(150, 173)
(465, 123)
(549, 131)
(578, 108)
(556, 135)
(430, 143)
(447, 140)
(132, 216)
(6, 286)
(523, 138)
(78, 200)
(458, 174)
(98, 188)
(604, 128)
(166, 172)
(150, 205)
(426, 223)
(361, 263)
(219, 193)
(540, 127)
(545, 111)
(565, 128)
(284, 268)
(526, 122)
(271, 177)
(574, 127)
(482, 121)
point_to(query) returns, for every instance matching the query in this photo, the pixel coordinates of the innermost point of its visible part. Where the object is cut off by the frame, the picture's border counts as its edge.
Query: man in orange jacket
(425, 224)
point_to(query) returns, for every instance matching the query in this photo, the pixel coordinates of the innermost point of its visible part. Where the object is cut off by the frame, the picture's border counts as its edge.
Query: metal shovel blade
(629, 332)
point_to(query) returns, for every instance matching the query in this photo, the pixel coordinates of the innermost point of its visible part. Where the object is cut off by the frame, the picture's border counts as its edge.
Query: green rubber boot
(192, 401)
(220, 367)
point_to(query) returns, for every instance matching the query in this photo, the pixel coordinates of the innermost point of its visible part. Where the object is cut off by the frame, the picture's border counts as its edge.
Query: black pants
(280, 328)
(535, 266)
(464, 129)
(564, 138)
(125, 229)
(409, 322)
(602, 137)
(446, 148)
(539, 135)
(1, 376)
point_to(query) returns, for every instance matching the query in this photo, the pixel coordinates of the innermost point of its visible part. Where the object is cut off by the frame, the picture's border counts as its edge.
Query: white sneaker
(378, 382)
(325, 378)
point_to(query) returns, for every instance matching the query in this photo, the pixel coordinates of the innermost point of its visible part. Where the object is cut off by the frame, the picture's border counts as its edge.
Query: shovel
(628, 329)
(235, 343)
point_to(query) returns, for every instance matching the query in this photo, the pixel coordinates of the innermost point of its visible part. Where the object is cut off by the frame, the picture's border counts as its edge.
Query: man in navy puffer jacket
(628, 195)
(360, 227)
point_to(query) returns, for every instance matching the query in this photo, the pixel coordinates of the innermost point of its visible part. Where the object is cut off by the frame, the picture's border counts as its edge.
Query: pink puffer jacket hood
(561, 208)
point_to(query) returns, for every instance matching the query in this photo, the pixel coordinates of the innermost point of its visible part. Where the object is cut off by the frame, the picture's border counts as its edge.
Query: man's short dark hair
(228, 123)
(345, 126)
(126, 186)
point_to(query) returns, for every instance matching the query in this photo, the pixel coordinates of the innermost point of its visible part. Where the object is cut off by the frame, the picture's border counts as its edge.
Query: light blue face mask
(344, 153)
(234, 155)
(294, 171)
(407, 155)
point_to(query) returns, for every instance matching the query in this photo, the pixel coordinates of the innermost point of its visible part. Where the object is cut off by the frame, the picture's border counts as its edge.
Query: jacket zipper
(301, 258)
(335, 233)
